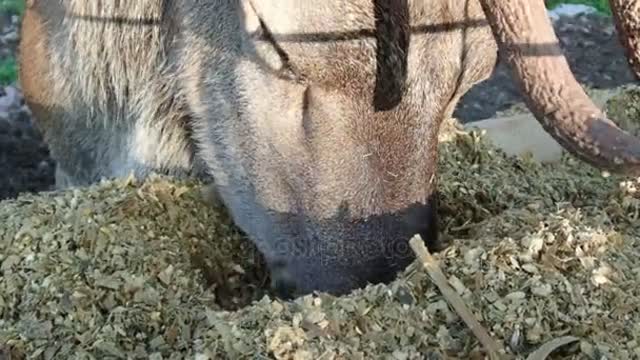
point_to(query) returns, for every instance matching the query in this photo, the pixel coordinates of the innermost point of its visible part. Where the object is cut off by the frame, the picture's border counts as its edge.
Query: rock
(12, 36)
(11, 99)
(570, 10)
(520, 135)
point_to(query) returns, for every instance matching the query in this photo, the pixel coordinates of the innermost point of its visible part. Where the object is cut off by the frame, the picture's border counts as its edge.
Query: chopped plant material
(430, 264)
(148, 270)
(624, 108)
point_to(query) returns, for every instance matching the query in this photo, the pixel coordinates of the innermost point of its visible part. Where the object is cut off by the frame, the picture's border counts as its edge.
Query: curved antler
(626, 14)
(523, 31)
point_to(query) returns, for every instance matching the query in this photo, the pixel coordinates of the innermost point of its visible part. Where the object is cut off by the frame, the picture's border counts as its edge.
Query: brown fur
(318, 121)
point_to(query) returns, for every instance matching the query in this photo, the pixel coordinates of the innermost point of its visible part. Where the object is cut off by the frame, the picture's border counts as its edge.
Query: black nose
(282, 283)
(423, 219)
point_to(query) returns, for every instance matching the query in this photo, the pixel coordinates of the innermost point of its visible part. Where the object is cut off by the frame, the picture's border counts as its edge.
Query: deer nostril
(284, 289)
(423, 219)
(281, 281)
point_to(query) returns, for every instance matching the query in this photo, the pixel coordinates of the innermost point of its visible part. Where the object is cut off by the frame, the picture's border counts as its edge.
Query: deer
(315, 122)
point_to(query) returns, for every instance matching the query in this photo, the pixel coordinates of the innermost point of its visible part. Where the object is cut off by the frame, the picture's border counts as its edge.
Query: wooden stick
(432, 268)
(546, 349)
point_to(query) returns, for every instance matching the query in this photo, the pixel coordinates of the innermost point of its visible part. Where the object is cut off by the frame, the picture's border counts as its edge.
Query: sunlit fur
(328, 186)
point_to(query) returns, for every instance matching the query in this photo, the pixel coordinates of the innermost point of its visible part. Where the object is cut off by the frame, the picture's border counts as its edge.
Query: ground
(590, 43)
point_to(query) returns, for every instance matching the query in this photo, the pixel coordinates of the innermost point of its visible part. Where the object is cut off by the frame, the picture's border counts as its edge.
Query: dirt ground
(589, 41)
